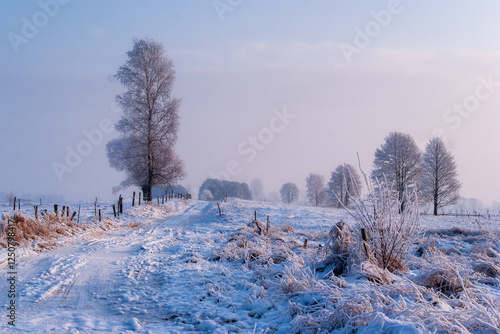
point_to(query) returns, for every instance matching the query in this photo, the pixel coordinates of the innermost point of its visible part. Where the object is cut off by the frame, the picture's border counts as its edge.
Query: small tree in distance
(398, 161)
(440, 183)
(257, 189)
(345, 183)
(289, 193)
(315, 189)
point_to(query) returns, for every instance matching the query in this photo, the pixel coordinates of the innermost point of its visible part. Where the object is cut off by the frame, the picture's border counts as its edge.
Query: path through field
(145, 278)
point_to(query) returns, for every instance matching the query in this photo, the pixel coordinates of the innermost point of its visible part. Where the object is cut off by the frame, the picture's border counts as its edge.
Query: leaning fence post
(220, 213)
(114, 210)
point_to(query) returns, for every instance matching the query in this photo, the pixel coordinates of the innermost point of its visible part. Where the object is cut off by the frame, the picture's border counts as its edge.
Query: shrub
(389, 228)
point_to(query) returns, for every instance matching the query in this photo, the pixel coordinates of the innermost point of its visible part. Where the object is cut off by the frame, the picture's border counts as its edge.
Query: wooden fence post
(55, 209)
(267, 226)
(220, 213)
(73, 215)
(99, 214)
(15, 201)
(36, 212)
(121, 204)
(78, 220)
(114, 210)
(133, 199)
(63, 211)
(139, 198)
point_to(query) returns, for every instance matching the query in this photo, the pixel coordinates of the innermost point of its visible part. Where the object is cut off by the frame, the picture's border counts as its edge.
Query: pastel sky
(270, 89)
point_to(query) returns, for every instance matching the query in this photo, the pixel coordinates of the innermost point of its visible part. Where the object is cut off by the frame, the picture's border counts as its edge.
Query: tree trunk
(435, 205)
(146, 192)
(436, 197)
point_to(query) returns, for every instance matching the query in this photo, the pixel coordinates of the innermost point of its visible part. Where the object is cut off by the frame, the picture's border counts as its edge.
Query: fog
(271, 91)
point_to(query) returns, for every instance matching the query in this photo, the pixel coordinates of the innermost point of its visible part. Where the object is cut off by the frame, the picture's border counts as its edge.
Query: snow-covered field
(180, 268)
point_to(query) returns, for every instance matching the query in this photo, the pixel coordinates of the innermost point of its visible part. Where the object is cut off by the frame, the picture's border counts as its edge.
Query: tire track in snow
(103, 284)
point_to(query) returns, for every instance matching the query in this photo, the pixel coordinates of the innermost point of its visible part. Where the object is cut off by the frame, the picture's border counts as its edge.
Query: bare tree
(440, 181)
(345, 183)
(289, 193)
(315, 189)
(257, 189)
(10, 197)
(398, 161)
(149, 122)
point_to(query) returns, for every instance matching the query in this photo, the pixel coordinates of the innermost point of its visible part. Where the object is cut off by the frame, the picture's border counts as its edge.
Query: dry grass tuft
(374, 273)
(485, 248)
(347, 311)
(487, 268)
(446, 280)
(43, 231)
(288, 228)
(338, 249)
(296, 279)
(340, 239)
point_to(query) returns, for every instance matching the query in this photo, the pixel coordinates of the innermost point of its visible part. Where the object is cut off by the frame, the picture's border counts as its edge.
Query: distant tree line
(398, 162)
(214, 189)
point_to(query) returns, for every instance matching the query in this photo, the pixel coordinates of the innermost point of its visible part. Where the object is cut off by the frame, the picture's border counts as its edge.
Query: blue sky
(235, 73)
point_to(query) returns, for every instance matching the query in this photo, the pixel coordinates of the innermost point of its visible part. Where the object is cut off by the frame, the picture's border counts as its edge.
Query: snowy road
(133, 279)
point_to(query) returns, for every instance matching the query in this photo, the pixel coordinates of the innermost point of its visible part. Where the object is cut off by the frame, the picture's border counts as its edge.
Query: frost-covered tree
(440, 183)
(289, 193)
(150, 120)
(315, 189)
(220, 188)
(257, 189)
(206, 195)
(344, 183)
(398, 161)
